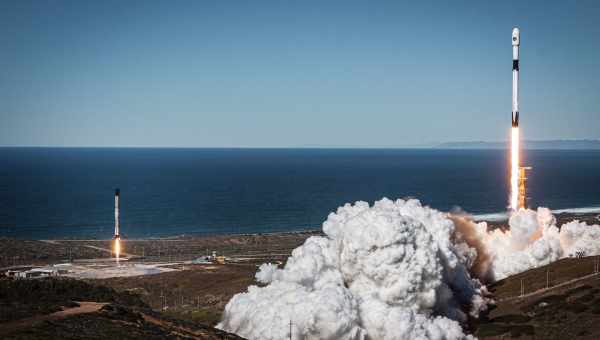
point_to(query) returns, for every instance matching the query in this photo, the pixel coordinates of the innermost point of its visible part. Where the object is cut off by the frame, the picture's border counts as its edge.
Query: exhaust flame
(514, 169)
(117, 248)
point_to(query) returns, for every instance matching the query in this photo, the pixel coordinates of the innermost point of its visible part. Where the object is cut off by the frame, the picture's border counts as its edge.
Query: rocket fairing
(516, 41)
(117, 206)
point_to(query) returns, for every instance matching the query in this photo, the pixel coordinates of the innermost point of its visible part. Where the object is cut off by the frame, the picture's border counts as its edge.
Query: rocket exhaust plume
(117, 237)
(514, 169)
(514, 138)
(117, 248)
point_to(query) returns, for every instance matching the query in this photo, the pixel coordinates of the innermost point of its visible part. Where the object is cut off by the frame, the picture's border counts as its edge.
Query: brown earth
(17, 252)
(569, 308)
(199, 293)
(116, 322)
(110, 315)
(83, 308)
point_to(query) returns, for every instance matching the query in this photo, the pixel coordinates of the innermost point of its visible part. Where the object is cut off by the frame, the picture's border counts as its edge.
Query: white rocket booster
(516, 41)
(117, 206)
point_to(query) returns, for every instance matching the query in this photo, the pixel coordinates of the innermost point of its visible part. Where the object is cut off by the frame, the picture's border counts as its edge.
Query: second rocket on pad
(516, 40)
(117, 206)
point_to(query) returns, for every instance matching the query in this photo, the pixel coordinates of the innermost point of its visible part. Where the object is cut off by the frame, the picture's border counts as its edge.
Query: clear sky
(288, 74)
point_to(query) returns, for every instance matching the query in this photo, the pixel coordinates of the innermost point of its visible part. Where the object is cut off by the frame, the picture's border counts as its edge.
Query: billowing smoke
(532, 240)
(389, 271)
(396, 270)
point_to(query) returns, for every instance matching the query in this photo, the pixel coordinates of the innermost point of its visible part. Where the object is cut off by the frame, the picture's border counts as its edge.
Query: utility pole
(164, 299)
(522, 288)
(290, 329)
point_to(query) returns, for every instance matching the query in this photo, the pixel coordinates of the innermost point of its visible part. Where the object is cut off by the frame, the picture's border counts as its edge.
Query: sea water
(68, 192)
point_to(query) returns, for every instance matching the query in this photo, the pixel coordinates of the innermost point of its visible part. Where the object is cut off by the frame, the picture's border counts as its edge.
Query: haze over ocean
(68, 192)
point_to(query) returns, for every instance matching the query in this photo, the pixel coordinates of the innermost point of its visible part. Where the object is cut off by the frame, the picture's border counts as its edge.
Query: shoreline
(589, 214)
(15, 252)
(179, 237)
(503, 216)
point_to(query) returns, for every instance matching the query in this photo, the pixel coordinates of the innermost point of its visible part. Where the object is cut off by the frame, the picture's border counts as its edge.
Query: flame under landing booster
(516, 41)
(117, 206)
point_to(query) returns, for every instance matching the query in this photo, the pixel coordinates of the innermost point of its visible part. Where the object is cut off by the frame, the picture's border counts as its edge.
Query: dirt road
(84, 307)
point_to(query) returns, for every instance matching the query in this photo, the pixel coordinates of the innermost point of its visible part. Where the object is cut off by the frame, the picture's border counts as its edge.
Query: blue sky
(289, 74)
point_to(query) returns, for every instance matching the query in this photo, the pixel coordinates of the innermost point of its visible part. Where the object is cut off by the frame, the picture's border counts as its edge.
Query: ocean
(50, 193)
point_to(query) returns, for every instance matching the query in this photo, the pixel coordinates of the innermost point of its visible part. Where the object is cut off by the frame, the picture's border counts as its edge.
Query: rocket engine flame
(514, 169)
(117, 248)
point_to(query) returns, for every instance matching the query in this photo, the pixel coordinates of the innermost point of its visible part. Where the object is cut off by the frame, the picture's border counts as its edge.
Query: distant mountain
(576, 144)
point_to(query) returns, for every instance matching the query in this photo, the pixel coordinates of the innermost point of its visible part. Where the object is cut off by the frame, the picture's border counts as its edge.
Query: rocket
(117, 206)
(516, 41)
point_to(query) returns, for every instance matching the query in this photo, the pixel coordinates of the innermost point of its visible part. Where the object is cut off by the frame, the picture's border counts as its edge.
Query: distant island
(576, 144)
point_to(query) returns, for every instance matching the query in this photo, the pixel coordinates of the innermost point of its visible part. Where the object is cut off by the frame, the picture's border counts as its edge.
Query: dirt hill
(568, 308)
(74, 309)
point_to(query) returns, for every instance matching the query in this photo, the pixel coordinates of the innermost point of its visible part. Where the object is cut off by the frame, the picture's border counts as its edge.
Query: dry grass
(560, 313)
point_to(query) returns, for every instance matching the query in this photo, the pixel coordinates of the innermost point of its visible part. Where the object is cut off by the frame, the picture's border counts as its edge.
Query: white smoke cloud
(396, 270)
(389, 271)
(533, 240)
(577, 237)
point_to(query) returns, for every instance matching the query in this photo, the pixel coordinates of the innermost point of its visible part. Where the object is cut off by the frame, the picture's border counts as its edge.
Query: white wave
(503, 216)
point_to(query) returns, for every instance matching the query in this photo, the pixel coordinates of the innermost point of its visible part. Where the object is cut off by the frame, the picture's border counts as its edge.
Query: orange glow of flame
(514, 169)
(117, 248)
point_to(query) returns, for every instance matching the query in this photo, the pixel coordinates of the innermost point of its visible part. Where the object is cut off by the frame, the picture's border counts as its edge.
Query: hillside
(74, 309)
(569, 308)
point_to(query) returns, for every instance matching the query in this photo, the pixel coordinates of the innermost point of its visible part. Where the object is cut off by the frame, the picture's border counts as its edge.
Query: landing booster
(117, 207)
(516, 41)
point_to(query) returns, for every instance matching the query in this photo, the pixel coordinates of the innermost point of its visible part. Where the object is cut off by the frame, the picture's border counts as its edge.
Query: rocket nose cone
(516, 37)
